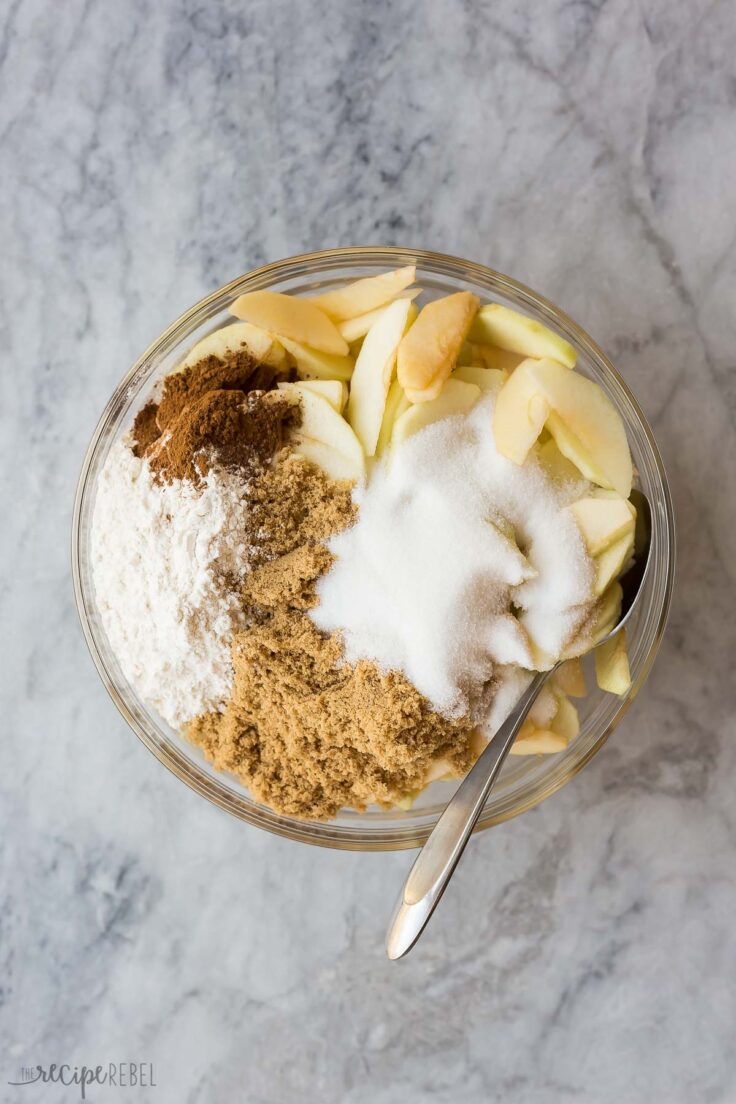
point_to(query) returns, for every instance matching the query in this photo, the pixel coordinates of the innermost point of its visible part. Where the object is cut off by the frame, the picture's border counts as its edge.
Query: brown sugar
(306, 732)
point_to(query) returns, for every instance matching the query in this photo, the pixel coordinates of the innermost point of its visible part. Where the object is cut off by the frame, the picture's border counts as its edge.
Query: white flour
(160, 557)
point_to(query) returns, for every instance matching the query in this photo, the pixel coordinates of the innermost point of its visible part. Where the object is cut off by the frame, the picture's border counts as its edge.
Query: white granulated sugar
(428, 582)
(161, 557)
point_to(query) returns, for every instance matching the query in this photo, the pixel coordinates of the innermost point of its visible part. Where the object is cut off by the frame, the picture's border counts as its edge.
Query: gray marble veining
(151, 151)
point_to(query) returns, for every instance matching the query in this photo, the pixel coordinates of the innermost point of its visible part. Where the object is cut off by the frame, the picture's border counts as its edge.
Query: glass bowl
(524, 782)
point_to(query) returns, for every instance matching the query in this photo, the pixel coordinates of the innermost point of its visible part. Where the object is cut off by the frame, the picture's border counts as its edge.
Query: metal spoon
(436, 862)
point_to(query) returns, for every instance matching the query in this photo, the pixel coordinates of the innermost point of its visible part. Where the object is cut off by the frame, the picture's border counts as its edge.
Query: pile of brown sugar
(304, 731)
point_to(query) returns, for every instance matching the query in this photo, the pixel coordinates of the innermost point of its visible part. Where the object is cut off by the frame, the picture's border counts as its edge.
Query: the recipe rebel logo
(120, 1075)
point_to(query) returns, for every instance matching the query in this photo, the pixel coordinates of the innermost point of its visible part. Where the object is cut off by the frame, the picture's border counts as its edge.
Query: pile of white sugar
(428, 582)
(164, 556)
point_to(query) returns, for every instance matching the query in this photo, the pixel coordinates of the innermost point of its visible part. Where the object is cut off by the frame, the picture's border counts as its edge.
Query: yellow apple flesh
(365, 295)
(612, 671)
(516, 333)
(292, 317)
(610, 562)
(429, 351)
(570, 678)
(334, 391)
(455, 398)
(491, 357)
(396, 404)
(588, 418)
(519, 414)
(325, 438)
(602, 521)
(355, 329)
(557, 466)
(313, 364)
(374, 370)
(262, 345)
(488, 379)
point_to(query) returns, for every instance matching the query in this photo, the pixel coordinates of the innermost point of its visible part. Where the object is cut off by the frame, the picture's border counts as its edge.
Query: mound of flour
(429, 582)
(164, 557)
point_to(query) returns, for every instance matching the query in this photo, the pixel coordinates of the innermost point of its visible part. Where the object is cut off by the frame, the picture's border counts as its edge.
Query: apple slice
(467, 357)
(612, 671)
(584, 423)
(261, 345)
(556, 465)
(355, 329)
(333, 463)
(488, 379)
(429, 351)
(516, 333)
(566, 722)
(519, 414)
(292, 317)
(374, 370)
(365, 295)
(602, 521)
(570, 678)
(537, 741)
(312, 364)
(455, 398)
(396, 404)
(334, 391)
(325, 438)
(610, 562)
(491, 357)
(608, 613)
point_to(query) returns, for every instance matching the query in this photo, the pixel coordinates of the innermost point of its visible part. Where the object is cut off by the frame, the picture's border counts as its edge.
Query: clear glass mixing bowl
(524, 782)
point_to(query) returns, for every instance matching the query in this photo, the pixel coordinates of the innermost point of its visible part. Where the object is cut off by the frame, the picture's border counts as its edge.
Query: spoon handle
(436, 862)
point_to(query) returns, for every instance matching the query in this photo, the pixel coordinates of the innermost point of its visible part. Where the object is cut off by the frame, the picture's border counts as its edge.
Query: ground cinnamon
(238, 371)
(225, 428)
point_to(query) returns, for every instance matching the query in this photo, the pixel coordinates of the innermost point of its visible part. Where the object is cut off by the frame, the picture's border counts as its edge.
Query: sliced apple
(491, 357)
(608, 612)
(429, 351)
(570, 678)
(556, 465)
(292, 317)
(566, 722)
(516, 333)
(325, 438)
(467, 356)
(373, 373)
(584, 423)
(612, 671)
(488, 379)
(313, 364)
(365, 295)
(263, 346)
(355, 329)
(537, 741)
(602, 521)
(610, 562)
(455, 398)
(396, 404)
(334, 391)
(519, 414)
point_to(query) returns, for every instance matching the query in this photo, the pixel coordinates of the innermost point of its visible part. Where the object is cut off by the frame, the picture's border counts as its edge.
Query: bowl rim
(325, 833)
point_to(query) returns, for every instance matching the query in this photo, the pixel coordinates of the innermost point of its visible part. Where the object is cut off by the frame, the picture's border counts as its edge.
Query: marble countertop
(152, 151)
